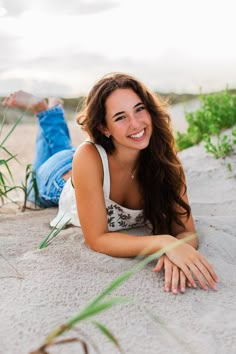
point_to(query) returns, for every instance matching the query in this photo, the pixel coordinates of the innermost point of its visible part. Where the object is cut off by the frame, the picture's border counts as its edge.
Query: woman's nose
(133, 121)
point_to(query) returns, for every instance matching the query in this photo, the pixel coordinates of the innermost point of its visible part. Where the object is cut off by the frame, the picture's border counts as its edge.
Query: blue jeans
(54, 154)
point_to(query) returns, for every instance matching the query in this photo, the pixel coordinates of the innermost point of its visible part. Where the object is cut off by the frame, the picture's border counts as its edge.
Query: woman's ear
(104, 130)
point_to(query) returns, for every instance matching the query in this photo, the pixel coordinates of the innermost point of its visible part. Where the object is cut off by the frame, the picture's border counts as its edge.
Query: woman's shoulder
(86, 150)
(87, 161)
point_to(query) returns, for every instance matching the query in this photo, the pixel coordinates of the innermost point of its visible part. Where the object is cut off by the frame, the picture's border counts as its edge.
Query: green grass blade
(52, 234)
(8, 169)
(96, 306)
(85, 314)
(108, 334)
(94, 310)
(7, 160)
(55, 233)
(3, 120)
(43, 244)
(125, 276)
(9, 153)
(13, 128)
(114, 284)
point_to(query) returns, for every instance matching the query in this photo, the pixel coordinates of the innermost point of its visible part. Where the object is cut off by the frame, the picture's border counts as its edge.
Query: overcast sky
(58, 47)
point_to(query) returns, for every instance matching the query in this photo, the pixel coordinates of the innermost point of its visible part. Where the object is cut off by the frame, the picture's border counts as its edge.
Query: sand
(42, 289)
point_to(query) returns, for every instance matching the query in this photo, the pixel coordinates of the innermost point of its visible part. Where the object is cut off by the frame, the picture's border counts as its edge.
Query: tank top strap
(106, 173)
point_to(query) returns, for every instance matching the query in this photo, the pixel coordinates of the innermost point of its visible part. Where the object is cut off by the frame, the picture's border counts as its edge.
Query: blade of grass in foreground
(9, 153)
(94, 310)
(108, 334)
(12, 129)
(3, 119)
(5, 163)
(125, 276)
(92, 306)
(53, 233)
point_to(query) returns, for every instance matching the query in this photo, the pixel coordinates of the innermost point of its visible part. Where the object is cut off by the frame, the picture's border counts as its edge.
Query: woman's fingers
(206, 274)
(168, 274)
(182, 281)
(199, 275)
(177, 277)
(192, 263)
(189, 276)
(175, 280)
(159, 265)
(210, 268)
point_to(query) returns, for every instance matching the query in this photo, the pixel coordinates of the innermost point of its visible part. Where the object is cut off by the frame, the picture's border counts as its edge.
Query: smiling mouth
(138, 135)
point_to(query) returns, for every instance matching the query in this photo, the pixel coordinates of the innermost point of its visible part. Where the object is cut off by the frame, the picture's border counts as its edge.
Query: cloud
(14, 8)
(39, 87)
(57, 7)
(9, 51)
(82, 7)
(68, 73)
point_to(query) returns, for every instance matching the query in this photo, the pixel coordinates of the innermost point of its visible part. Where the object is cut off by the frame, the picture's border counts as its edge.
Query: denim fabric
(54, 154)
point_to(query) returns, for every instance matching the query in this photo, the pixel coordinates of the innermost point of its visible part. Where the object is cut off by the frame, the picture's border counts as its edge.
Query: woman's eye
(139, 109)
(119, 118)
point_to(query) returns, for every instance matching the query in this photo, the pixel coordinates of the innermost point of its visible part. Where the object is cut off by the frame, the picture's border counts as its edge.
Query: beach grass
(7, 184)
(217, 113)
(100, 304)
(197, 132)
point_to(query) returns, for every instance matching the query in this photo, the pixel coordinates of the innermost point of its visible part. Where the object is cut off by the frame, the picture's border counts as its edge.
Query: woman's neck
(126, 159)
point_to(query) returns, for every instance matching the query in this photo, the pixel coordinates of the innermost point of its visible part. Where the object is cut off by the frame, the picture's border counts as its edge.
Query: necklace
(133, 173)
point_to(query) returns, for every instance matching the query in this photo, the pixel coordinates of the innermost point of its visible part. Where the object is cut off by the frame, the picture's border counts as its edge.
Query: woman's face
(128, 121)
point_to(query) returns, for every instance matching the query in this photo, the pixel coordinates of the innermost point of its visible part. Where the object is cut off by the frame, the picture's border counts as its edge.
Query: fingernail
(182, 290)
(167, 289)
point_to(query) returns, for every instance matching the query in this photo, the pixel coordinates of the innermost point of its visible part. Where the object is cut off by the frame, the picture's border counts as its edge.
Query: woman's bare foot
(54, 101)
(25, 100)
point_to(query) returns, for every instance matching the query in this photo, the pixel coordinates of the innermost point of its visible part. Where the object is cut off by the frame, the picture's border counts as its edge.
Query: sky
(61, 48)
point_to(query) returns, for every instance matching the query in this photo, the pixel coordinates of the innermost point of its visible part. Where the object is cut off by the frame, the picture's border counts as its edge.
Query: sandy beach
(41, 289)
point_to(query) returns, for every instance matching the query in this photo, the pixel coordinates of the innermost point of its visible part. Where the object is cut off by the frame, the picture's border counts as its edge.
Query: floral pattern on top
(122, 218)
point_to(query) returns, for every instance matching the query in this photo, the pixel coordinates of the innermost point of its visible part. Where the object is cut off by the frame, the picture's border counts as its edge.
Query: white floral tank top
(118, 217)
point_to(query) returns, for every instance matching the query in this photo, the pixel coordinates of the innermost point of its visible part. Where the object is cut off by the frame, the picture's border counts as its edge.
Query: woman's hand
(192, 263)
(175, 279)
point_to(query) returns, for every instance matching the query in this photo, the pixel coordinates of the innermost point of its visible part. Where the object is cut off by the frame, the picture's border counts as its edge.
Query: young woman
(126, 175)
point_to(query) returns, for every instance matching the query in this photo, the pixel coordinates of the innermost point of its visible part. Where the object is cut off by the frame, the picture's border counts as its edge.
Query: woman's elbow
(95, 244)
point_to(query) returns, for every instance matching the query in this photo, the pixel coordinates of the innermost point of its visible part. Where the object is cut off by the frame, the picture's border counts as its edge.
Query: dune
(41, 289)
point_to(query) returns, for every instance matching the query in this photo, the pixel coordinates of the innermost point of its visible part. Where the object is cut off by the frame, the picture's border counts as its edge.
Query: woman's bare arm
(88, 181)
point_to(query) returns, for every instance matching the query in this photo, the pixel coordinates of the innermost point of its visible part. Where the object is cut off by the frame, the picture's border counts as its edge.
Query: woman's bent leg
(53, 135)
(54, 151)
(53, 158)
(49, 178)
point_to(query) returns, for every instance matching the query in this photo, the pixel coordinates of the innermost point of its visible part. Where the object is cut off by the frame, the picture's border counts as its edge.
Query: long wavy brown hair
(160, 173)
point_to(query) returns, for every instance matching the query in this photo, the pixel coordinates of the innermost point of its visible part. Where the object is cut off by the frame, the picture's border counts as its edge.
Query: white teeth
(138, 135)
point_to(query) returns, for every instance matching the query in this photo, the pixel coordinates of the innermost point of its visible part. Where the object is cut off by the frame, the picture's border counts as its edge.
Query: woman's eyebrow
(138, 104)
(122, 112)
(118, 113)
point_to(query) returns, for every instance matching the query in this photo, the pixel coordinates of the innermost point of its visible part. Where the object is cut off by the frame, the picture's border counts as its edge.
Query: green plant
(6, 176)
(101, 304)
(52, 234)
(7, 183)
(29, 184)
(221, 148)
(217, 112)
